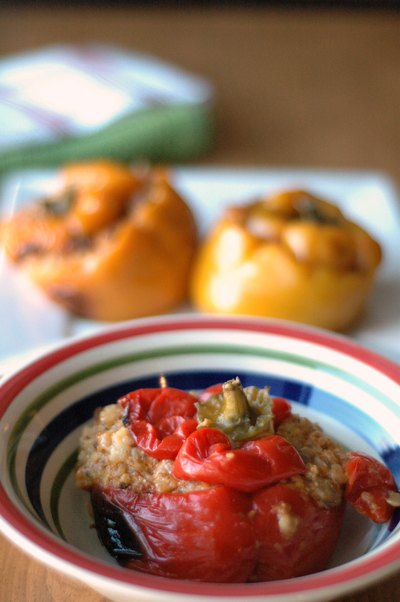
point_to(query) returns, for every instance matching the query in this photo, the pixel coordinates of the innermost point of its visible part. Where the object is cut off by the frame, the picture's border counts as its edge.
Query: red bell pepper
(219, 534)
(201, 535)
(251, 523)
(295, 536)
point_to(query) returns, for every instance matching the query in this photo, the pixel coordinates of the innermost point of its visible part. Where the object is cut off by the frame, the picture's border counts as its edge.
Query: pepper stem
(235, 405)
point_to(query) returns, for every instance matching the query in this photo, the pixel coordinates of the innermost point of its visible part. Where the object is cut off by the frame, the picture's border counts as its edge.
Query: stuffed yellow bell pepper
(111, 244)
(290, 256)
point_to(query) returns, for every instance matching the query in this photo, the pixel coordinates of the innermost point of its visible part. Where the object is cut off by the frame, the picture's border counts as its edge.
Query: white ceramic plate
(368, 197)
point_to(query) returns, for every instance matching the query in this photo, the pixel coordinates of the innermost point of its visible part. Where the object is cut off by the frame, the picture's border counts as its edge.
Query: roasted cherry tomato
(368, 486)
(207, 455)
(281, 409)
(159, 419)
(212, 390)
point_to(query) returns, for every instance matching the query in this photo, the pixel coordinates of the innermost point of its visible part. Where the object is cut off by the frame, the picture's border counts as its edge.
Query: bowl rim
(15, 524)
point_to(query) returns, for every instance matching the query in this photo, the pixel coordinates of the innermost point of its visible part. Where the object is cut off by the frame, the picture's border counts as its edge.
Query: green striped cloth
(66, 103)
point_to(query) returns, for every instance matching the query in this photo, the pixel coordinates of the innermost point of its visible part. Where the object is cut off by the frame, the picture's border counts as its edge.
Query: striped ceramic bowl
(351, 392)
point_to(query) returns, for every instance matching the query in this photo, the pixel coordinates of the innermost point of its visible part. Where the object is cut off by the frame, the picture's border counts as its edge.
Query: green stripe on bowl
(62, 475)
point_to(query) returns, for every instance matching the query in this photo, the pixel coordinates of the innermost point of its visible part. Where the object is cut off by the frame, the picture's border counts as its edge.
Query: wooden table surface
(297, 88)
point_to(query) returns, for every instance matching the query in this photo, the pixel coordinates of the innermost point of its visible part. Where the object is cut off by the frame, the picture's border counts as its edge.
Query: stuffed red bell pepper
(227, 485)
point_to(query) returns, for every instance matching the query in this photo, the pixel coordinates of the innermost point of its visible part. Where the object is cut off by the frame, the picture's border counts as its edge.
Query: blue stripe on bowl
(360, 423)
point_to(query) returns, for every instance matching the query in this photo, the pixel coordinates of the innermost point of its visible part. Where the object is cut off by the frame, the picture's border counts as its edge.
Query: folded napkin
(69, 103)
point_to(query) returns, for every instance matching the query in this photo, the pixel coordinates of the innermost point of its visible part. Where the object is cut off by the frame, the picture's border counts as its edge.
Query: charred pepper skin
(200, 535)
(114, 532)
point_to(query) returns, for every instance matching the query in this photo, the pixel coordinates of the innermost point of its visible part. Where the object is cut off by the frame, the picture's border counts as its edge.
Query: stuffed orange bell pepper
(112, 244)
(291, 256)
(225, 486)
